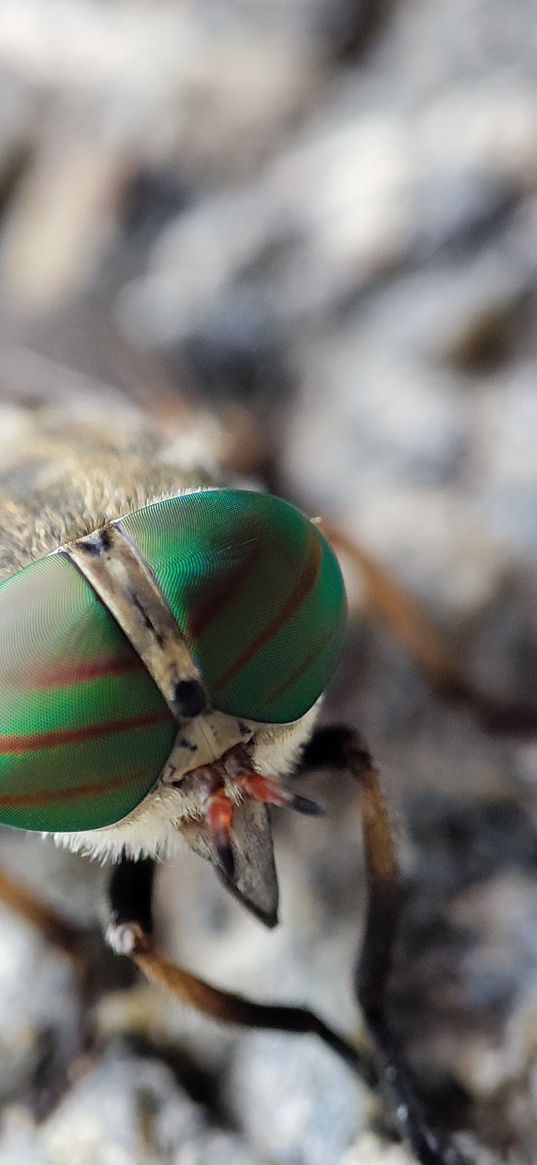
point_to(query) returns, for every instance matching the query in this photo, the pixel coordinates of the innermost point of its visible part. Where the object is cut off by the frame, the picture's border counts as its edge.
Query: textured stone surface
(325, 213)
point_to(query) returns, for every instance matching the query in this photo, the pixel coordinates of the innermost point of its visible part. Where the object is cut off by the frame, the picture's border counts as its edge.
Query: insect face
(230, 594)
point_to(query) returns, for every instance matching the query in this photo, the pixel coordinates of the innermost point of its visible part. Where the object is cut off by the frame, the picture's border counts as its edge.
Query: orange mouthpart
(234, 771)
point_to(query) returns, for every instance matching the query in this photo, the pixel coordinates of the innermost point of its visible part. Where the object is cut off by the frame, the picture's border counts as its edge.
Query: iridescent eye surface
(84, 731)
(257, 591)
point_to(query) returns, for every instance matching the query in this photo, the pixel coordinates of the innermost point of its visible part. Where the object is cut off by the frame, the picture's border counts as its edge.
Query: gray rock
(341, 232)
(217, 1148)
(125, 1107)
(296, 1103)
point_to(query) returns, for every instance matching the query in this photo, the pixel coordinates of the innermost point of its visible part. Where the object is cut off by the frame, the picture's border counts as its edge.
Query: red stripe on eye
(82, 673)
(72, 793)
(276, 693)
(223, 590)
(19, 745)
(296, 599)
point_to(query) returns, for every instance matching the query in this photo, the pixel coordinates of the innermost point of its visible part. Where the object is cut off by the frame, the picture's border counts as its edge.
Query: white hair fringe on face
(153, 829)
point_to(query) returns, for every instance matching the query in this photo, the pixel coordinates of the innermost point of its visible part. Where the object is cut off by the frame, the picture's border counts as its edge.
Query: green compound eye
(84, 733)
(257, 591)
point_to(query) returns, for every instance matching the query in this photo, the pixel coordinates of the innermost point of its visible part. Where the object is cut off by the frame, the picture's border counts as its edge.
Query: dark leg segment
(130, 932)
(131, 912)
(342, 748)
(230, 1008)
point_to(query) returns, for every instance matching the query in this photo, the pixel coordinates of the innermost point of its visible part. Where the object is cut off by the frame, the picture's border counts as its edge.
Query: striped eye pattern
(257, 592)
(84, 731)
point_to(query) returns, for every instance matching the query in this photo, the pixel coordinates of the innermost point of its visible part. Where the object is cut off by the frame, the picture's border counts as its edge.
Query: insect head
(255, 601)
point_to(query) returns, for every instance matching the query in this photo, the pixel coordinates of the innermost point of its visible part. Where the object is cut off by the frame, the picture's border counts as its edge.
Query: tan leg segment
(227, 1007)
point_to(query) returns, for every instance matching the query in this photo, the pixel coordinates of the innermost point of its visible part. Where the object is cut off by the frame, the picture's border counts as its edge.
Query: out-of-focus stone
(351, 249)
(217, 1148)
(370, 1150)
(125, 1108)
(297, 1104)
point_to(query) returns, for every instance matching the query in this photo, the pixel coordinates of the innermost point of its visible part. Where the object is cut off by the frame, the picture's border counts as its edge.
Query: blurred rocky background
(300, 238)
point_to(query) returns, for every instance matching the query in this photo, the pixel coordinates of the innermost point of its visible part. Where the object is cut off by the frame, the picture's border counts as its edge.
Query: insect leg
(66, 1045)
(59, 931)
(237, 1009)
(342, 748)
(130, 933)
(130, 894)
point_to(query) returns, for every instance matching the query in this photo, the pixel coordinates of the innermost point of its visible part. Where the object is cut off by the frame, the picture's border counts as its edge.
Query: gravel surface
(312, 225)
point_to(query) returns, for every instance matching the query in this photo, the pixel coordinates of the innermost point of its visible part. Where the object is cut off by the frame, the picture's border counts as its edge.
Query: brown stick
(70, 1044)
(55, 929)
(426, 644)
